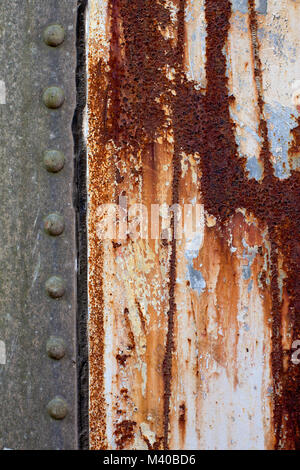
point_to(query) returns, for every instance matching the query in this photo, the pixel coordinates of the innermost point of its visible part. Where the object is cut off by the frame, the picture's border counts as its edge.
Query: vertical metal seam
(80, 204)
(167, 364)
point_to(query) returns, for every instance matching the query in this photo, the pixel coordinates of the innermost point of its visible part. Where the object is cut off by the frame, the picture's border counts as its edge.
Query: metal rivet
(54, 224)
(57, 408)
(53, 97)
(54, 160)
(55, 287)
(56, 348)
(54, 35)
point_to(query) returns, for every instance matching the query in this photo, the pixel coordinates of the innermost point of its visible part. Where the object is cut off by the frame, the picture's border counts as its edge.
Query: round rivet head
(54, 35)
(53, 97)
(57, 408)
(54, 161)
(55, 287)
(54, 224)
(56, 348)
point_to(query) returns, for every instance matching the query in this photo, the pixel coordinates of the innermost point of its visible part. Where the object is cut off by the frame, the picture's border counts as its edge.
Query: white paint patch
(2, 92)
(2, 353)
(196, 42)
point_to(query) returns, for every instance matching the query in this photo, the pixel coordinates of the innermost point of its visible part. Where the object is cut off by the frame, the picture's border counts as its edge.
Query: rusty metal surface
(191, 340)
(33, 369)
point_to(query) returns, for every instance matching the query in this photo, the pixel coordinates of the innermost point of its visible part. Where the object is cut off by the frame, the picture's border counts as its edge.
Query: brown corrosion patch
(294, 149)
(137, 49)
(98, 193)
(124, 433)
(129, 100)
(122, 358)
(157, 445)
(182, 421)
(182, 413)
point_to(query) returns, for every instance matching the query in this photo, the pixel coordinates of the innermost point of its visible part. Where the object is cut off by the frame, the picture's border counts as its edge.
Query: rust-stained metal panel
(192, 336)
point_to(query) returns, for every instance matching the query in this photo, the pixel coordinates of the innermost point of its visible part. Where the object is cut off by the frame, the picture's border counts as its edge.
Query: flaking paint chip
(210, 220)
(2, 92)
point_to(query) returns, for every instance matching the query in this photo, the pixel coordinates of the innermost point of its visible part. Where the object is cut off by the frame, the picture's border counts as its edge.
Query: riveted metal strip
(38, 384)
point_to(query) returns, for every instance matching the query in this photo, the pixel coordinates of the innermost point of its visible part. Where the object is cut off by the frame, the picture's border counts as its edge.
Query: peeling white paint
(2, 92)
(2, 353)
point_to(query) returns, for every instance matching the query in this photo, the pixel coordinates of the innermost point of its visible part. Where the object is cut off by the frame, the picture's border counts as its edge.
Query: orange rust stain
(100, 182)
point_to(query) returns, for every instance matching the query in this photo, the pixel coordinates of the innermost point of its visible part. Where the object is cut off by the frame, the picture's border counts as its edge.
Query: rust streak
(167, 363)
(277, 355)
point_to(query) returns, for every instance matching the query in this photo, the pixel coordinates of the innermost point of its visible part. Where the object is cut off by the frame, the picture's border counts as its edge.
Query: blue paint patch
(196, 279)
(278, 41)
(240, 5)
(194, 246)
(280, 122)
(249, 254)
(246, 272)
(250, 285)
(254, 168)
(280, 44)
(245, 126)
(261, 34)
(262, 6)
(191, 254)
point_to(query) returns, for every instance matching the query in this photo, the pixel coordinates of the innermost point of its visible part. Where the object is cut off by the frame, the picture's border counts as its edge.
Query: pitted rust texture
(137, 50)
(124, 433)
(130, 95)
(294, 150)
(96, 348)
